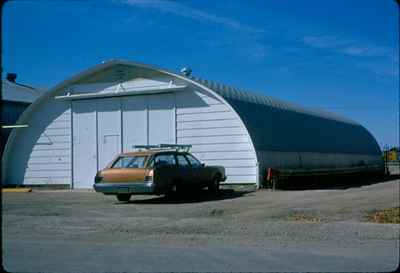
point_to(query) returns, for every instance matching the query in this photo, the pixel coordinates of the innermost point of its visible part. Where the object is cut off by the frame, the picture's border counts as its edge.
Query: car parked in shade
(160, 169)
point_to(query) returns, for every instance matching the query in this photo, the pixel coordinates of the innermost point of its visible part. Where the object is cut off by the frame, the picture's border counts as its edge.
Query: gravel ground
(320, 230)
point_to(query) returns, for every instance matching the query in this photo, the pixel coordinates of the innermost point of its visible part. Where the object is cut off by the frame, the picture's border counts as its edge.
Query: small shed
(78, 126)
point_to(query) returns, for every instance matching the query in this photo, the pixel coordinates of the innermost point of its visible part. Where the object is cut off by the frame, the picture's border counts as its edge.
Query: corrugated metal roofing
(275, 125)
(232, 93)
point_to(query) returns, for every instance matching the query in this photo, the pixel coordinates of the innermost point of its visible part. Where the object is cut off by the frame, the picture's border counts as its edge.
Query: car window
(182, 161)
(130, 162)
(164, 160)
(193, 161)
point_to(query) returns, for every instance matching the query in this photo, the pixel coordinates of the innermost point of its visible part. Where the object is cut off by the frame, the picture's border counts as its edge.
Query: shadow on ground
(189, 197)
(337, 183)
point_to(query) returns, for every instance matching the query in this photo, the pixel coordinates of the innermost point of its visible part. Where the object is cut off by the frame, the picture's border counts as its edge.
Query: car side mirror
(203, 165)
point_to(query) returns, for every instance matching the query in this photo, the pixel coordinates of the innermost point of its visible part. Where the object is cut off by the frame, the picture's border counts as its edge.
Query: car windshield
(130, 162)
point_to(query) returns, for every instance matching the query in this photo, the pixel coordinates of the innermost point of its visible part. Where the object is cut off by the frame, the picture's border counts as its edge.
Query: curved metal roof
(275, 125)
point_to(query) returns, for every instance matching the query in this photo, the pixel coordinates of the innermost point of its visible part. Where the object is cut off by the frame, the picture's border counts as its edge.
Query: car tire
(123, 197)
(214, 186)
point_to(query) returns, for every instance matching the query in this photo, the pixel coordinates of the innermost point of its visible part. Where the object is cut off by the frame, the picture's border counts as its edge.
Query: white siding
(42, 154)
(216, 134)
(222, 131)
(222, 115)
(227, 147)
(209, 124)
(195, 110)
(225, 139)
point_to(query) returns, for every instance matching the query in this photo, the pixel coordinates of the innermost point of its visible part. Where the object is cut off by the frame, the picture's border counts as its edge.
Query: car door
(197, 170)
(184, 169)
(166, 169)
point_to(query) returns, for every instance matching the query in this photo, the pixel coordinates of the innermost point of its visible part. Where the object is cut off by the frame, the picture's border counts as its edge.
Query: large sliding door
(134, 122)
(84, 143)
(103, 128)
(161, 119)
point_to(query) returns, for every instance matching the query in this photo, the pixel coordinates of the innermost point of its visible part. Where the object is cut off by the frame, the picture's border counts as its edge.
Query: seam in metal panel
(208, 112)
(47, 170)
(213, 136)
(222, 151)
(148, 119)
(97, 133)
(49, 156)
(232, 175)
(175, 119)
(48, 163)
(242, 158)
(121, 126)
(50, 149)
(201, 120)
(206, 128)
(44, 177)
(214, 143)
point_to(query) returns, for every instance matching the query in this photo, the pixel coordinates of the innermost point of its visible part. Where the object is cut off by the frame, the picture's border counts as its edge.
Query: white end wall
(41, 153)
(216, 134)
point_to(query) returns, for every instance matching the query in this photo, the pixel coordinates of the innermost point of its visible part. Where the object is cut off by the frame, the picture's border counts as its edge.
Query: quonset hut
(78, 126)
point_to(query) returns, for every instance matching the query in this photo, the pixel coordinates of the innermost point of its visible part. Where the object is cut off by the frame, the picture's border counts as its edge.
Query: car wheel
(214, 186)
(123, 197)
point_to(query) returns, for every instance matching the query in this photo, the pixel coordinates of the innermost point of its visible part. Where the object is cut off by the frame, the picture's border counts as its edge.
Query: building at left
(16, 97)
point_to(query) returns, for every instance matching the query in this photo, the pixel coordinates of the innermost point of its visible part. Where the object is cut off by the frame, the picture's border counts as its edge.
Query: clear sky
(342, 56)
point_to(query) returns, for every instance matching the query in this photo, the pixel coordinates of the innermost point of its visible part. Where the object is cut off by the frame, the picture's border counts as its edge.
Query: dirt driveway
(320, 230)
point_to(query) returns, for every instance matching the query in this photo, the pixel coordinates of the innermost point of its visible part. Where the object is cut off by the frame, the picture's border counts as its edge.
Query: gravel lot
(297, 230)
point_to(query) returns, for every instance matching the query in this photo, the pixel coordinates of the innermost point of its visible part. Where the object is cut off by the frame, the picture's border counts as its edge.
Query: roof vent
(186, 71)
(11, 77)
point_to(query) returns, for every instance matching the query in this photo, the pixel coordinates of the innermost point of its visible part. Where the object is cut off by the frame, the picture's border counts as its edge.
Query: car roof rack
(175, 147)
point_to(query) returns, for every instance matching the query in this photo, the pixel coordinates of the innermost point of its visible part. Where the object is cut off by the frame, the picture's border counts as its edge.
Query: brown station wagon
(160, 169)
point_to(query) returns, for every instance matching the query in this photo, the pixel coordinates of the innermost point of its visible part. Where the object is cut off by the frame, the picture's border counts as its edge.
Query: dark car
(163, 169)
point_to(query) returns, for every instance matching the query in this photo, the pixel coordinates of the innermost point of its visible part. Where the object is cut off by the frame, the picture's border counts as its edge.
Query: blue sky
(341, 56)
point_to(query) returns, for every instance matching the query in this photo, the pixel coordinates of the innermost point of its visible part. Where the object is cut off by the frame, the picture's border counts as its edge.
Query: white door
(108, 130)
(134, 122)
(161, 119)
(84, 143)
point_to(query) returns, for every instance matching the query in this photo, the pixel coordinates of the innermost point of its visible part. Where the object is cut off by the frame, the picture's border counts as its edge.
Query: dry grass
(391, 215)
